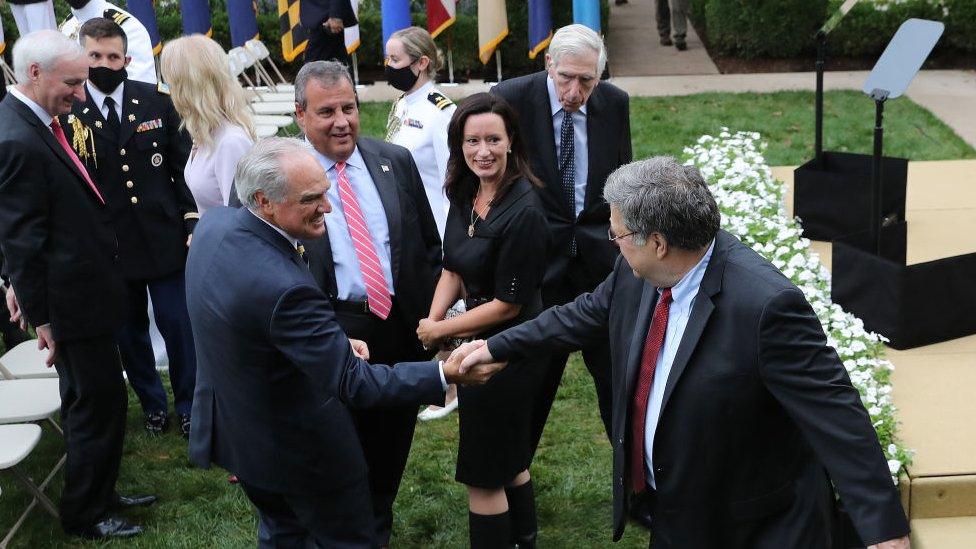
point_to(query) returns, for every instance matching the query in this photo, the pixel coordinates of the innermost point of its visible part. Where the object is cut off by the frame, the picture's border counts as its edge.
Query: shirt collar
(98, 96)
(419, 94)
(37, 109)
(355, 159)
(293, 241)
(687, 287)
(554, 105)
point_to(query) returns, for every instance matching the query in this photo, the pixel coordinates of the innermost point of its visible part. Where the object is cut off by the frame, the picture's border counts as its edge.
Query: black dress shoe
(124, 502)
(112, 527)
(666, 41)
(157, 422)
(185, 425)
(681, 45)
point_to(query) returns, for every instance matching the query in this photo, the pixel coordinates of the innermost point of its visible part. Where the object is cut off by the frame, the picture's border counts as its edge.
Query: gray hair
(45, 47)
(659, 195)
(578, 39)
(326, 73)
(263, 169)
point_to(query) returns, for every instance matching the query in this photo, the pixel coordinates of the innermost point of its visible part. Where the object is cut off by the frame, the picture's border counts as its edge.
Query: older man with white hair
(577, 130)
(60, 269)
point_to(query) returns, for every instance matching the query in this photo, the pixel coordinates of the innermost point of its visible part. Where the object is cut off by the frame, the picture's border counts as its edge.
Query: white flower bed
(752, 207)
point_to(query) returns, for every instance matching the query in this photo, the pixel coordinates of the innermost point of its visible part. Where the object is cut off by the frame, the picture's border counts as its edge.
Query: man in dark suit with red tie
(60, 259)
(730, 411)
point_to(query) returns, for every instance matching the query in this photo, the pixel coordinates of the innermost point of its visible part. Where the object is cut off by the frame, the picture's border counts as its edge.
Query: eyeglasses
(612, 238)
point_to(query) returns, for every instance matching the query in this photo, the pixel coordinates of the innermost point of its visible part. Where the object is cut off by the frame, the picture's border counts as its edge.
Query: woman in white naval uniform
(418, 121)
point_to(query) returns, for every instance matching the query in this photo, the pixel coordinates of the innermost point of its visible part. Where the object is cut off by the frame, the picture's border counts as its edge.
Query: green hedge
(785, 28)
(463, 34)
(760, 28)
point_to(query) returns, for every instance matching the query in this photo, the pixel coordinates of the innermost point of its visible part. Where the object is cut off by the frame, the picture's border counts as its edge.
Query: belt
(350, 306)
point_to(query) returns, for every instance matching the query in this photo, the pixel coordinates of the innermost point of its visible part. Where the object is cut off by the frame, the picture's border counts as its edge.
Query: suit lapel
(91, 115)
(250, 220)
(594, 144)
(701, 311)
(132, 112)
(641, 325)
(547, 137)
(381, 170)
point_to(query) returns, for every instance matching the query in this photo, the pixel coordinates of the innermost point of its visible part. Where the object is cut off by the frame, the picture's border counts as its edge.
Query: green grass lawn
(572, 471)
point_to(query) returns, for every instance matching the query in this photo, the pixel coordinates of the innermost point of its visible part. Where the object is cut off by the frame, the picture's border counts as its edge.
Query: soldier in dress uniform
(127, 134)
(143, 65)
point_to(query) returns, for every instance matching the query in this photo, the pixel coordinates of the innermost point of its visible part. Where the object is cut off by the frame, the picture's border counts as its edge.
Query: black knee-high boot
(489, 531)
(521, 507)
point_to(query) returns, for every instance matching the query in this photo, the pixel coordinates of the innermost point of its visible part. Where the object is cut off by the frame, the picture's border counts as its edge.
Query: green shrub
(961, 24)
(865, 31)
(762, 28)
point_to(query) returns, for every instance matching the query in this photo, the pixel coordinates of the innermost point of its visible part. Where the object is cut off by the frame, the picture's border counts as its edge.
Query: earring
(509, 151)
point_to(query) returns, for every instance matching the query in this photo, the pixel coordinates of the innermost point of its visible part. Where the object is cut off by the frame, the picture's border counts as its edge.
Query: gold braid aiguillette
(79, 138)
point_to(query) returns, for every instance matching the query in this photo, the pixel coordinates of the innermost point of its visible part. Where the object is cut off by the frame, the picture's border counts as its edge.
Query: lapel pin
(98, 123)
(84, 111)
(385, 167)
(135, 101)
(132, 118)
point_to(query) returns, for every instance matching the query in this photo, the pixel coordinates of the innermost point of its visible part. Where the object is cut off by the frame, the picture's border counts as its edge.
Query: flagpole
(355, 68)
(450, 58)
(498, 63)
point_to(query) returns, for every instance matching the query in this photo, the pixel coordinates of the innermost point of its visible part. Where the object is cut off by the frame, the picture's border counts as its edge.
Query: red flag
(440, 15)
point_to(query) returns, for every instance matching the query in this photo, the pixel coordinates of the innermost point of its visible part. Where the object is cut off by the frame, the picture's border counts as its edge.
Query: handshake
(469, 364)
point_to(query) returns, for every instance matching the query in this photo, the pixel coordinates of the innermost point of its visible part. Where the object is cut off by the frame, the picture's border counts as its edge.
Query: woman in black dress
(494, 258)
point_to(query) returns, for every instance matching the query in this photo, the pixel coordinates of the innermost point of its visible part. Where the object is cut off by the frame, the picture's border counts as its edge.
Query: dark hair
(461, 183)
(100, 27)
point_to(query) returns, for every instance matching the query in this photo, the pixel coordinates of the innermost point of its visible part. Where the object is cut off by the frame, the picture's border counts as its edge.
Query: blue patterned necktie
(567, 168)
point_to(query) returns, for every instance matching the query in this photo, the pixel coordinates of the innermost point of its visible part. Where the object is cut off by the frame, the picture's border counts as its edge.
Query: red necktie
(59, 135)
(645, 379)
(377, 292)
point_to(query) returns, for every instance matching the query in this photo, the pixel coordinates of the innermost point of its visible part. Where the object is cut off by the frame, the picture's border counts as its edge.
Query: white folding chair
(26, 361)
(16, 443)
(261, 55)
(266, 131)
(237, 62)
(28, 400)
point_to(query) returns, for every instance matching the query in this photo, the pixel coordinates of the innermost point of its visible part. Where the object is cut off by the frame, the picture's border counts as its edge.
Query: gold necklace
(474, 213)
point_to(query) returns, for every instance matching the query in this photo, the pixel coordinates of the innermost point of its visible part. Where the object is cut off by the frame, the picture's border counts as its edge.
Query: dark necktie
(642, 391)
(112, 123)
(567, 169)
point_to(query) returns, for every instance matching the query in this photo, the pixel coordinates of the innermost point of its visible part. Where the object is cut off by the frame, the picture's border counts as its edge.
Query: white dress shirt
(98, 98)
(682, 298)
(580, 158)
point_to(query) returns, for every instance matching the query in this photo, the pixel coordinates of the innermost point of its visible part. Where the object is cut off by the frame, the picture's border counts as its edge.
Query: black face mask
(402, 79)
(106, 79)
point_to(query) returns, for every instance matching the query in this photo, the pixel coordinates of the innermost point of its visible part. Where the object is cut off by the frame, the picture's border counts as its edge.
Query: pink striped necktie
(59, 135)
(377, 292)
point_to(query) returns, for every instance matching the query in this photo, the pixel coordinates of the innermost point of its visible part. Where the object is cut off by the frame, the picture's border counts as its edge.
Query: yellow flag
(492, 27)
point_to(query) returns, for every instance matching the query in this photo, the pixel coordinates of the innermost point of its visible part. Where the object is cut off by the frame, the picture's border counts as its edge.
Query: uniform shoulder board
(115, 15)
(162, 88)
(439, 100)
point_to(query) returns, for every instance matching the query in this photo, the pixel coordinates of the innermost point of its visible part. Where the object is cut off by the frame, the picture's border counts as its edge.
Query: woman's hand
(428, 333)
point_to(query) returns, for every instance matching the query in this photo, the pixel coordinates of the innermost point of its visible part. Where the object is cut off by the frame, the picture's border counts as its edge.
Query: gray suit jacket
(275, 373)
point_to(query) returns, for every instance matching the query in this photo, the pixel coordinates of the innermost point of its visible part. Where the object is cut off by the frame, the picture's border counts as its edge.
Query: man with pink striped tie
(380, 262)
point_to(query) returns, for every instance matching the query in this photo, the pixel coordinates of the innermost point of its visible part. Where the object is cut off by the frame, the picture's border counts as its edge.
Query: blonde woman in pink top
(215, 113)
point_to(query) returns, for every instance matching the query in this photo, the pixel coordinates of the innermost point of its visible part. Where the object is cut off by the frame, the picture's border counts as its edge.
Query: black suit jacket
(275, 372)
(140, 174)
(312, 13)
(415, 245)
(58, 242)
(755, 406)
(608, 144)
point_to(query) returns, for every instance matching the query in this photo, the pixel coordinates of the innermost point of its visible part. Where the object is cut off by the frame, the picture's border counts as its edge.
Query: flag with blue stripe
(587, 12)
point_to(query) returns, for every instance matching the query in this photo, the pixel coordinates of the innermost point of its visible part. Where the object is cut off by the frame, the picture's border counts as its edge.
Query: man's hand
(333, 25)
(476, 374)
(13, 307)
(900, 543)
(428, 334)
(45, 340)
(359, 348)
(189, 238)
(476, 356)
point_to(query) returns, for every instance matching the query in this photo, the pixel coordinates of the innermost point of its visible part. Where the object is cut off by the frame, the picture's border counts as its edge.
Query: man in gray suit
(276, 375)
